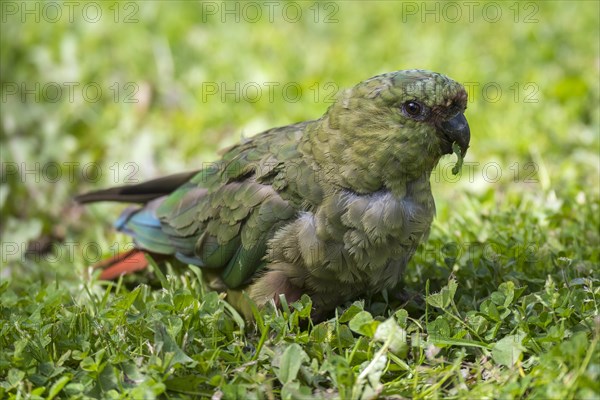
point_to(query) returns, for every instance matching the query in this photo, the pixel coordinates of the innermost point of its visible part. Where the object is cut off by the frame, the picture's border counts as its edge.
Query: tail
(139, 222)
(140, 193)
(142, 224)
(123, 263)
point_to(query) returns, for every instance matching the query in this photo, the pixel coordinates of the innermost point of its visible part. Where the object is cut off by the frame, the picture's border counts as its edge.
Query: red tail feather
(121, 264)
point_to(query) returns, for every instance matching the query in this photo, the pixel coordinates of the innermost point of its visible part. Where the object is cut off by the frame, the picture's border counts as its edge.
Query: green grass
(501, 302)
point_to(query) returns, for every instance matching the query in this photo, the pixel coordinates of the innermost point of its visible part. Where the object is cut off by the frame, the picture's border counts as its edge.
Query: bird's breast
(369, 238)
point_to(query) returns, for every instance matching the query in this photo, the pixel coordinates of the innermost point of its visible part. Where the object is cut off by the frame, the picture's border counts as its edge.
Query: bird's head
(390, 130)
(415, 107)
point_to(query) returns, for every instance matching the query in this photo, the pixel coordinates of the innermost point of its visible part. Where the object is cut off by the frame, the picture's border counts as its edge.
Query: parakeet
(333, 208)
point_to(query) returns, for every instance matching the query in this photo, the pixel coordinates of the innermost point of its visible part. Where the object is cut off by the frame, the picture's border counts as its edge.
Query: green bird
(333, 208)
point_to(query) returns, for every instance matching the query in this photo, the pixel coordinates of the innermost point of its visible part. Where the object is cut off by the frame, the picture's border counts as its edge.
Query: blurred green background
(97, 94)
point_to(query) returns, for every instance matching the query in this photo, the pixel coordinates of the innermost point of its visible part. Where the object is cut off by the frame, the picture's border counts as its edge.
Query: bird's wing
(222, 217)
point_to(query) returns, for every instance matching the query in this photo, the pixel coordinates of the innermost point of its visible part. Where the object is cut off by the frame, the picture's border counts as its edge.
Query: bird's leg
(271, 285)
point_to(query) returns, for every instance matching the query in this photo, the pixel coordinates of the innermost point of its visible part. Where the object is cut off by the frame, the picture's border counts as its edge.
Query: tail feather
(121, 264)
(140, 193)
(141, 223)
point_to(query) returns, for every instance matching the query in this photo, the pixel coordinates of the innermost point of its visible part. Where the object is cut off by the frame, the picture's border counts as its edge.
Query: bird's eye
(412, 108)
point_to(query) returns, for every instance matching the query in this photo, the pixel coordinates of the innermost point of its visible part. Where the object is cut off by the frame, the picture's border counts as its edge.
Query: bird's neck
(362, 164)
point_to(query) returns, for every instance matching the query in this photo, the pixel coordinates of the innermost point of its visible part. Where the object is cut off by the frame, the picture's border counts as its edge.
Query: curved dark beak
(457, 130)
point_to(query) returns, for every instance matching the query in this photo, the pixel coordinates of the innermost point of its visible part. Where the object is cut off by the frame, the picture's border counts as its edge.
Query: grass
(501, 302)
